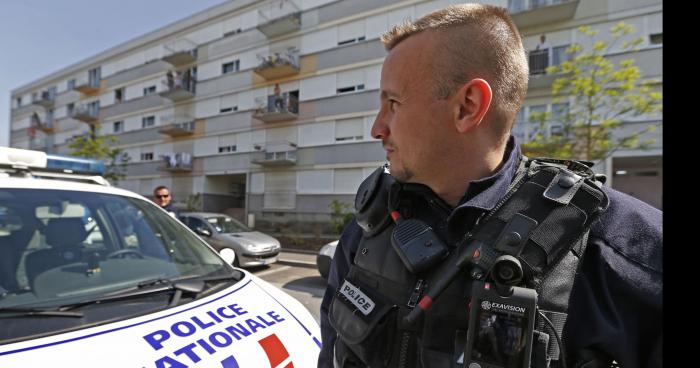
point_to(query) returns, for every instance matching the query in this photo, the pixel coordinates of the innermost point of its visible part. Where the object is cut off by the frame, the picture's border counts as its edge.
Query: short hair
(481, 41)
(161, 187)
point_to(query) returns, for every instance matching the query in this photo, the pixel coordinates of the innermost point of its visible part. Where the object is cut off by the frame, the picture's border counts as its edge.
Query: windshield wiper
(9, 312)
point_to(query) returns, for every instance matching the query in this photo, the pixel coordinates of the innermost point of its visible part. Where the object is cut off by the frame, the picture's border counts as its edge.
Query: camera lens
(507, 270)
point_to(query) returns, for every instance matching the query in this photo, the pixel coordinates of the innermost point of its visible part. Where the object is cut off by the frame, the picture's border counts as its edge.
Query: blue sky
(39, 37)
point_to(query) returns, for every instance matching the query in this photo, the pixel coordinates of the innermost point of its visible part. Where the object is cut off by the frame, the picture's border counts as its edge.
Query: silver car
(252, 248)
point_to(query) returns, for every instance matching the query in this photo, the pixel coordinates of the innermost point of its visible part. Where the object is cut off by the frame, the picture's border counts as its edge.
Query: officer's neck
(454, 183)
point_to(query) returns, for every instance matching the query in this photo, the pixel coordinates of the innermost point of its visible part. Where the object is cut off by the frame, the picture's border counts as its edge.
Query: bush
(341, 215)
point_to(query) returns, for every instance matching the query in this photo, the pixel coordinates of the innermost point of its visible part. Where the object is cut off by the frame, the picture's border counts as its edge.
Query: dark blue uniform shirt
(616, 301)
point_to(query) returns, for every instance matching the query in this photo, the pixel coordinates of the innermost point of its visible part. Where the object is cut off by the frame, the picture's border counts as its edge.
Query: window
(149, 90)
(559, 54)
(228, 109)
(148, 121)
(119, 95)
(349, 129)
(352, 40)
(231, 33)
(656, 39)
(18, 100)
(71, 84)
(231, 67)
(225, 149)
(118, 126)
(358, 87)
(146, 156)
(70, 108)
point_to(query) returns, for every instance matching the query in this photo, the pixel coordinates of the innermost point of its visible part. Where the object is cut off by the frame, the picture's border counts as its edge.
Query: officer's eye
(393, 104)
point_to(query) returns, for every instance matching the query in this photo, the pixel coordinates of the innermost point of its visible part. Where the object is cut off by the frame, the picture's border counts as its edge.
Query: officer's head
(161, 195)
(451, 87)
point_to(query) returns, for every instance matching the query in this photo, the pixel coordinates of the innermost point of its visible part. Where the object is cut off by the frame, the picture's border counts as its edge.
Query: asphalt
(297, 258)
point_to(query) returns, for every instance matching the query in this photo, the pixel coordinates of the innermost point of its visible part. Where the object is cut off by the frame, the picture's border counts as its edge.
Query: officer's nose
(380, 130)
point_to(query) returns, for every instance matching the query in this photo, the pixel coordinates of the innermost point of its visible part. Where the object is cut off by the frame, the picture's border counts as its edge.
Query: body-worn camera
(500, 327)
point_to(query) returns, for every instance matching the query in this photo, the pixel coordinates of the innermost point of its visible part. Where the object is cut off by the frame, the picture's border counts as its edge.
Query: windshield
(225, 224)
(59, 247)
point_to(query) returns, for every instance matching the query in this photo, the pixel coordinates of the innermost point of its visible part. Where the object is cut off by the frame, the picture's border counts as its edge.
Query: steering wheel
(125, 253)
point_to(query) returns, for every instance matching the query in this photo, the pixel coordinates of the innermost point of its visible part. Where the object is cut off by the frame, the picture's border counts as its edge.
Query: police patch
(361, 301)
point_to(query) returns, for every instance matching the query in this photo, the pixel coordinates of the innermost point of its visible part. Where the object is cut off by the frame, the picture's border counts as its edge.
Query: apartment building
(263, 109)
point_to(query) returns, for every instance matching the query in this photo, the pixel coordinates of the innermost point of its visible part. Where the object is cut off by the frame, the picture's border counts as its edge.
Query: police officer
(163, 198)
(450, 89)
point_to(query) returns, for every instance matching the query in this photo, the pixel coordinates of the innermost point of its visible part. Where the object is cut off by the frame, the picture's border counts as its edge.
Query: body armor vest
(561, 197)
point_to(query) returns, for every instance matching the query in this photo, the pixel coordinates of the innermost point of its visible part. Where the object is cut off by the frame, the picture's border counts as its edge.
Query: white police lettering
(363, 303)
(486, 305)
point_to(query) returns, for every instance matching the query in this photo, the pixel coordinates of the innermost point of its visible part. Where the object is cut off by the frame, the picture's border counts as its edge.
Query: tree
(341, 215)
(101, 148)
(602, 94)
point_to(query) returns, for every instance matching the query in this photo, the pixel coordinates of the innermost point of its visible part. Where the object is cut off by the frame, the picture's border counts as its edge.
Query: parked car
(221, 231)
(96, 276)
(324, 258)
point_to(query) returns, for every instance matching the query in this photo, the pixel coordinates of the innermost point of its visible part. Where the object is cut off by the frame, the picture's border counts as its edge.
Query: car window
(195, 223)
(58, 246)
(226, 224)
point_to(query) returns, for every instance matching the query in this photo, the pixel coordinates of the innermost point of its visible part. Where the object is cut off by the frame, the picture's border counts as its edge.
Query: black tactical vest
(563, 197)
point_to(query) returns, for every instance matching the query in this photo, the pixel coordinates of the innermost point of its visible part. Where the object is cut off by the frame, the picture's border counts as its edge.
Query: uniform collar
(486, 192)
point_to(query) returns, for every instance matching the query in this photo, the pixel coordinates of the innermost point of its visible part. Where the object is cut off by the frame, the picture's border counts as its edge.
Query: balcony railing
(86, 113)
(178, 86)
(527, 13)
(176, 162)
(538, 61)
(176, 125)
(279, 17)
(180, 52)
(45, 126)
(44, 99)
(87, 85)
(278, 64)
(277, 107)
(279, 153)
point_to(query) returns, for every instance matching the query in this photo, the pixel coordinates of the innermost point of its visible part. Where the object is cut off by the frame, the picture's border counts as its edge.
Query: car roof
(56, 184)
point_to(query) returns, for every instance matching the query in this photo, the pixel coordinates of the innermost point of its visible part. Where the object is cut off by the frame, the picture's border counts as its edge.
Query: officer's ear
(472, 102)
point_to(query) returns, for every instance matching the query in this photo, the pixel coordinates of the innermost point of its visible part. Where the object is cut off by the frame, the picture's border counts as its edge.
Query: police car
(96, 276)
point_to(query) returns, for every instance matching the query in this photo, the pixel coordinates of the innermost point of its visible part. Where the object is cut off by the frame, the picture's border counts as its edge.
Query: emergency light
(37, 159)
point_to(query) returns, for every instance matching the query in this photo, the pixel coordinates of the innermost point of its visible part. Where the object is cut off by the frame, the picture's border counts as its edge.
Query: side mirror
(202, 231)
(228, 255)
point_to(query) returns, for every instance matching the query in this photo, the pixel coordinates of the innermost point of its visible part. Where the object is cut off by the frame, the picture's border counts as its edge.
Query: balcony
(179, 86)
(281, 153)
(45, 126)
(278, 64)
(180, 52)
(279, 18)
(527, 13)
(45, 99)
(176, 162)
(87, 85)
(86, 113)
(176, 125)
(277, 108)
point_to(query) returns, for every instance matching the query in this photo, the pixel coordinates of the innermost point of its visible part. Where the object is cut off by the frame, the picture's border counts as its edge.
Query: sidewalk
(297, 258)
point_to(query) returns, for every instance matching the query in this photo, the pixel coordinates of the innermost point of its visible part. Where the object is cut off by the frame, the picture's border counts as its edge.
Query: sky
(39, 37)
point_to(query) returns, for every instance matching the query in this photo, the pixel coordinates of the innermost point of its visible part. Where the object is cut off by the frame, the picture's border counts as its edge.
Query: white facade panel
(425, 8)
(655, 24)
(162, 149)
(320, 40)
(369, 121)
(346, 181)
(314, 181)
(258, 136)
(280, 181)
(245, 143)
(400, 15)
(349, 129)
(229, 101)
(349, 78)
(132, 123)
(132, 185)
(207, 107)
(250, 60)
(107, 99)
(227, 140)
(282, 134)
(205, 146)
(257, 183)
(209, 70)
(376, 25)
(317, 87)
(206, 34)
(308, 4)
(372, 76)
(315, 134)
(249, 19)
(351, 30)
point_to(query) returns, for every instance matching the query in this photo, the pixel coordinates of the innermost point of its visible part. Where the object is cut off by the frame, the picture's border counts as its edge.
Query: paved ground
(296, 274)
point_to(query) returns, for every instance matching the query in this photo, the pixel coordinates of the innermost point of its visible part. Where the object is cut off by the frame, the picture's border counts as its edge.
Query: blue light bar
(75, 164)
